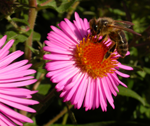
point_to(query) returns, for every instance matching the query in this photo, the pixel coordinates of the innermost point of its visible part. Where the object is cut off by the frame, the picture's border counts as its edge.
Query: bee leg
(103, 38)
(111, 50)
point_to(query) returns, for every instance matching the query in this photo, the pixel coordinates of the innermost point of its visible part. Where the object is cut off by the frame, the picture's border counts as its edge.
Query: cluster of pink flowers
(80, 77)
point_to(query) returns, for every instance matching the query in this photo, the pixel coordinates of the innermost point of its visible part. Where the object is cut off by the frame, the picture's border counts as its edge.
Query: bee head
(104, 23)
(94, 27)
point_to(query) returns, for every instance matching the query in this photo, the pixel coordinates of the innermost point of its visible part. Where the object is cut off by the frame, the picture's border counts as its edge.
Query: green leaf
(130, 93)
(43, 88)
(22, 37)
(21, 21)
(10, 34)
(142, 73)
(147, 70)
(64, 6)
(36, 36)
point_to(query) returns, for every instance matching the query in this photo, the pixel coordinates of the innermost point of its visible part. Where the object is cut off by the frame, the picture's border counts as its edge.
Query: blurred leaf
(141, 73)
(43, 88)
(18, 37)
(21, 21)
(130, 93)
(65, 5)
(147, 70)
(11, 34)
(36, 36)
(133, 51)
(117, 12)
(41, 70)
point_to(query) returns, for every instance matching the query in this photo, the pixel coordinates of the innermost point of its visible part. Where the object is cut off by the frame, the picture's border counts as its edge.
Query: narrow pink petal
(56, 50)
(66, 29)
(124, 66)
(74, 81)
(11, 57)
(72, 38)
(60, 39)
(116, 78)
(16, 105)
(16, 79)
(12, 113)
(10, 70)
(19, 84)
(66, 81)
(94, 95)
(107, 91)
(66, 74)
(80, 89)
(87, 99)
(15, 121)
(14, 66)
(55, 43)
(5, 121)
(103, 101)
(84, 30)
(2, 40)
(16, 92)
(87, 26)
(73, 89)
(112, 81)
(122, 74)
(19, 100)
(110, 86)
(59, 71)
(78, 31)
(78, 24)
(6, 48)
(57, 57)
(57, 65)
(16, 74)
(83, 92)
(73, 28)
(97, 94)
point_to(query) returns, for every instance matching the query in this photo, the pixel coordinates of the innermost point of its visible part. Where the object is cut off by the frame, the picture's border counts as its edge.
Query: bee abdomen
(122, 49)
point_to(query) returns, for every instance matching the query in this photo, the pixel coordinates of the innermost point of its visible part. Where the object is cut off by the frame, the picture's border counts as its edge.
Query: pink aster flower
(13, 76)
(78, 66)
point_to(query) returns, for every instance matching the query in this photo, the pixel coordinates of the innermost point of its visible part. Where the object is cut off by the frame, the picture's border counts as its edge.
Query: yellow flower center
(89, 57)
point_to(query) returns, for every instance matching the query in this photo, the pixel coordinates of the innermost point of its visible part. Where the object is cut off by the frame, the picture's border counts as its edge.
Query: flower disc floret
(89, 57)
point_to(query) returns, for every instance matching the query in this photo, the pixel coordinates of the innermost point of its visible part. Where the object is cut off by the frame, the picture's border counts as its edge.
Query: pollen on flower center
(89, 57)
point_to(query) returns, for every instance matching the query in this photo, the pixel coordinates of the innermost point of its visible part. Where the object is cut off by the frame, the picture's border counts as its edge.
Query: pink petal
(12, 113)
(2, 40)
(5, 121)
(122, 74)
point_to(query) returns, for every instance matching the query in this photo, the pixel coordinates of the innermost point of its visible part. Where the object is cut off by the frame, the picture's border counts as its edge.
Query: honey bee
(107, 27)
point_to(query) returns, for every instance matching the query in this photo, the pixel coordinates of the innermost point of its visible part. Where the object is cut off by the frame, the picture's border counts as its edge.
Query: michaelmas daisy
(13, 77)
(77, 65)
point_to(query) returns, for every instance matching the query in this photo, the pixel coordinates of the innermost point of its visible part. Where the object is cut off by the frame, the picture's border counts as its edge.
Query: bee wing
(126, 29)
(127, 24)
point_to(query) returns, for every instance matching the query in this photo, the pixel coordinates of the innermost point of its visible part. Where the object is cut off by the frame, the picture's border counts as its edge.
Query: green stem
(31, 20)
